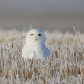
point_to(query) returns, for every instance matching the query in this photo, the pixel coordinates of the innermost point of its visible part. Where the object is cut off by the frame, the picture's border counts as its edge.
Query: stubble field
(65, 67)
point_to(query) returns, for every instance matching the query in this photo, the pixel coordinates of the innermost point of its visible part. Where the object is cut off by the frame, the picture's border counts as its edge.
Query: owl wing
(46, 52)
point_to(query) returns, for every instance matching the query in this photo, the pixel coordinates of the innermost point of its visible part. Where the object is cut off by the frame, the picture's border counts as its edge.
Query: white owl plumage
(35, 45)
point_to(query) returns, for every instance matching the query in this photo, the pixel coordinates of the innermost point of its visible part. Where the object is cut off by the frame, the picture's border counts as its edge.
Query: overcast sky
(42, 5)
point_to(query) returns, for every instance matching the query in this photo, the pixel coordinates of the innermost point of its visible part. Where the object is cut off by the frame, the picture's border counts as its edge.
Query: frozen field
(65, 67)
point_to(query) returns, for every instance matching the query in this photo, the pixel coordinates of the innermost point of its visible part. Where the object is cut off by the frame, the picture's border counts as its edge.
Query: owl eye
(39, 34)
(31, 34)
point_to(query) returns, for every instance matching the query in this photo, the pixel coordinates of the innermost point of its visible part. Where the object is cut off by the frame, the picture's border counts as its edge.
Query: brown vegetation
(66, 65)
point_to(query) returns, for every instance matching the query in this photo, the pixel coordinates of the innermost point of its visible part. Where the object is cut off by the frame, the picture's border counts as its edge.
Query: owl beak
(35, 38)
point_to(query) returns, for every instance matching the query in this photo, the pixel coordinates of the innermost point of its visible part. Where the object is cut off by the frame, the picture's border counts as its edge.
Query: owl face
(35, 35)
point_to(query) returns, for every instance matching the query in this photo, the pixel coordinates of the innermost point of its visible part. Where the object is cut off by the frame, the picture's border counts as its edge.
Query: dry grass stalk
(65, 67)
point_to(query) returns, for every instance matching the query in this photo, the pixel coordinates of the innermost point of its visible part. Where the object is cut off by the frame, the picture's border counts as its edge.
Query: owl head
(35, 36)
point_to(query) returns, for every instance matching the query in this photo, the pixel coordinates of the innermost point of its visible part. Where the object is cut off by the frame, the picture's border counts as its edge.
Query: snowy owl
(35, 45)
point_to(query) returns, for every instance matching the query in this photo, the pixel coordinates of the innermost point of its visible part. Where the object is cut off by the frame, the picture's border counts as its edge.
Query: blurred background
(43, 14)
